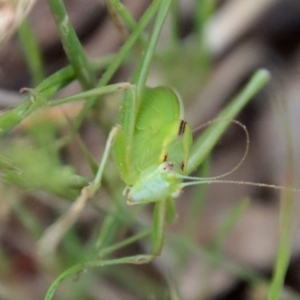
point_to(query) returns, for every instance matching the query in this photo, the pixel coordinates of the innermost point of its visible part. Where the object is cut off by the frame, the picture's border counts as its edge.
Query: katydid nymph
(150, 149)
(152, 154)
(150, 159)
(151, 146)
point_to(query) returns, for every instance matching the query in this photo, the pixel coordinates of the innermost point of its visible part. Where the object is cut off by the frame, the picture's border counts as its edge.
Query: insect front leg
(53, 235)
(158, 227)
(158, 231)
(157, 239)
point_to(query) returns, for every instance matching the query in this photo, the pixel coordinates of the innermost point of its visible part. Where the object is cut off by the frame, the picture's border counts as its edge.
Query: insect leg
(53, 235)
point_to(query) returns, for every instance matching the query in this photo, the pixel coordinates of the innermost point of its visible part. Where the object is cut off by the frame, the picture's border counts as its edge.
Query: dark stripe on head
(181, 127)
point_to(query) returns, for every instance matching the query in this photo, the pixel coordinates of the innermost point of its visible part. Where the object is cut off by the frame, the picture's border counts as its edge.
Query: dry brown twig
(12, 12)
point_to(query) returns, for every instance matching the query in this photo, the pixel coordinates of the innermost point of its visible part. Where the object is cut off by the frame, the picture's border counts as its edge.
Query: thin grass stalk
(124, 13)
(121, 56)
(32, 52)
(72, 46)
(44, 90)
(228, 225)
(195, 208)
(239, 270)
(140, 76)
(284, 249)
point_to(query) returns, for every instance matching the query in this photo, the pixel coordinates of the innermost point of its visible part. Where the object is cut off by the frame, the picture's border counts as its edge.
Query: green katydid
(158, 149)
(152, 156)
(152, 144)
(152, 162)
(151, 150)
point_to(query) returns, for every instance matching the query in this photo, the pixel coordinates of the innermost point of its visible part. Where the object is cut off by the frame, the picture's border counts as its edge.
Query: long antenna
(271, 186)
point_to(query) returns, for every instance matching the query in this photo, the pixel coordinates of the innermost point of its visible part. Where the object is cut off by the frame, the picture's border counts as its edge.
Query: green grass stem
(121, 56)
(140, 76)
(72, 46)
(32, 52)
(124, 13)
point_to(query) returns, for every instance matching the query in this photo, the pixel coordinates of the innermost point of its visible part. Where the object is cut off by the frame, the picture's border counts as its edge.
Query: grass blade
(72, 46)
(31, 52)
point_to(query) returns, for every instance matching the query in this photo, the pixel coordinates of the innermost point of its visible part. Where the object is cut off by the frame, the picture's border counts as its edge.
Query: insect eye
(165, 167)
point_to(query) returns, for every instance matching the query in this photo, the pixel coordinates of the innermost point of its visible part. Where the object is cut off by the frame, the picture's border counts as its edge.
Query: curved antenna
(241, 160)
